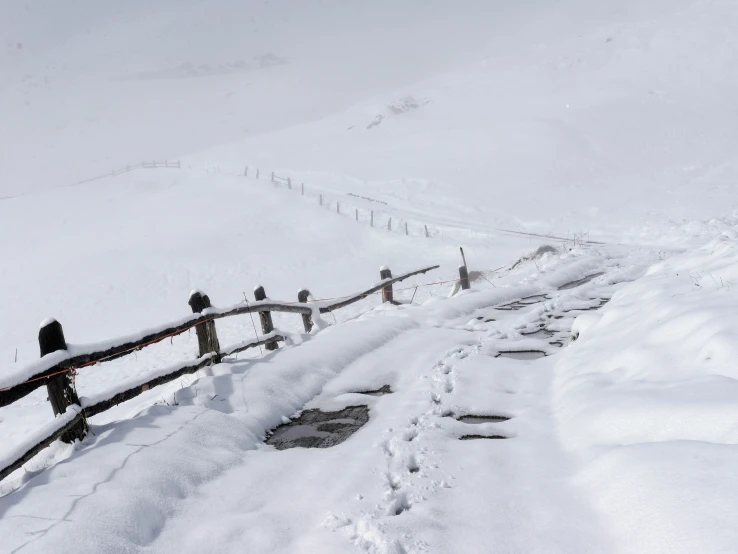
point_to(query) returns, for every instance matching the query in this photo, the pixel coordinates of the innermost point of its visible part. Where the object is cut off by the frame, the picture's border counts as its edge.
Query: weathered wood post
(272, 176)
(207, 337)
(307, 319)
(426, 231)
(357, 214)
(464, 278)
(406, 231)
(267, 326)
(389, 224)
(338, 207)
(321, 199)
(60, 387)
(463, 273)
(246, 172)
(371, 220)
(257, 173)
(387, 292)
(289, 183)
(302, 188)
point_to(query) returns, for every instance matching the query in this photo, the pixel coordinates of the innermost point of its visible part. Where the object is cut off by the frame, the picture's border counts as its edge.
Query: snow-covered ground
(602, 130)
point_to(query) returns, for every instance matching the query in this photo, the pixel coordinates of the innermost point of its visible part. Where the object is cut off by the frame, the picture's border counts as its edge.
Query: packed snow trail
(196, 476)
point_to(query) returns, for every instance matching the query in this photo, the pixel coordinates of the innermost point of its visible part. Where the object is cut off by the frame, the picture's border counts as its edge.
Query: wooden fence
(56, 368)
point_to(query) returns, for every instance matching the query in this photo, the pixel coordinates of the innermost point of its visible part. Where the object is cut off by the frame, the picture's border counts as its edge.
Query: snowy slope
(194, 475)
(645, 400)
(482, 120)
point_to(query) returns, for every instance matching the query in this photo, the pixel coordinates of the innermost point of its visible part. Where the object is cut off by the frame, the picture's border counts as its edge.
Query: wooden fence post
(289, 183)
(302, 188)
(321, 199)
(207, 337)
(406, 231)
(246, 172)
(307, 319)
(371, 221)
(272, 176)
(464, 278)
(426, 231)
(338, 207)
(389, 224)
(387, 293)
(463, 273)
(267, 326)
(257, 173)
(357, 214)
(60, 387)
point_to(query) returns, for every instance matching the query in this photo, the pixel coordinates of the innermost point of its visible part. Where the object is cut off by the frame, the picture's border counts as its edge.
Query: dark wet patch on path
(319, 429)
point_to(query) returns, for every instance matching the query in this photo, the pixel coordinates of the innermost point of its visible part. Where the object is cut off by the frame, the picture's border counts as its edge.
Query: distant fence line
(128, 168)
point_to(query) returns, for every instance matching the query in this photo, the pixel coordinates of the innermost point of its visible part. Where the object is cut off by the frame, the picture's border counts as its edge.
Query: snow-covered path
(197, 477)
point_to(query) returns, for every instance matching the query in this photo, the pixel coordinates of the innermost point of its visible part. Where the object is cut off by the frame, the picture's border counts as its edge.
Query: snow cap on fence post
(60, 387)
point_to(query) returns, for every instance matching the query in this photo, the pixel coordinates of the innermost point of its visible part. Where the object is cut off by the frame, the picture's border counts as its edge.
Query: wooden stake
(406, 231)
(246, 172)
(257, 173)
(267, 326)
(289, 183)
(272, 176)
(357, 214)
(426, 231)
(387, 292)
(464, 278)
(307, 320)
(302, 187)
(207, 337)
(338, 207)
(372, 219)
(60, 387)
(389, 224)
(321, 199)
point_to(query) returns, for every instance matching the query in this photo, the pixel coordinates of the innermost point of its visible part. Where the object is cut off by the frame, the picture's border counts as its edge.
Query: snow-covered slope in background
(612, 119)
(555, 116)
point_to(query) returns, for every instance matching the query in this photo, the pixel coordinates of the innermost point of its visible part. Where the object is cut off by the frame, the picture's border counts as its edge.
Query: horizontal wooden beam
(42, 371)
(103, 405)
(39, 446)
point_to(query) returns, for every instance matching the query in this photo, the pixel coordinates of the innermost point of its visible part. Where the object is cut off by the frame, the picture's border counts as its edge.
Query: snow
(645, 400)
(554, 142)
(37, 436)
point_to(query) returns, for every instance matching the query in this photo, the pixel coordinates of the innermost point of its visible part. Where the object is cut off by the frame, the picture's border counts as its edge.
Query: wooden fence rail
(58, 361)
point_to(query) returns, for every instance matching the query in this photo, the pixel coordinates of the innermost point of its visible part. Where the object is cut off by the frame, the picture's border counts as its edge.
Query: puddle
(479, 419)
(379, 392)
(580, 282)
(511, 307)
(516, 305)
(475, 437)
(539, 334)
(535, 299)
(521, 354)
(318, 429)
